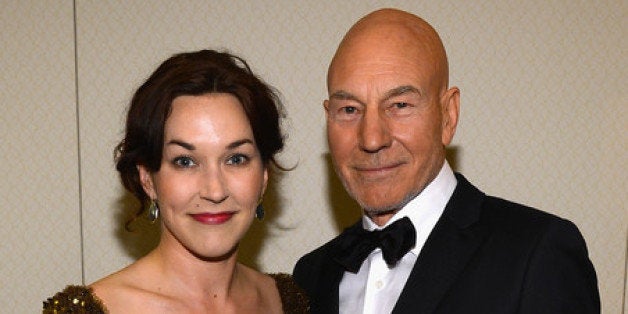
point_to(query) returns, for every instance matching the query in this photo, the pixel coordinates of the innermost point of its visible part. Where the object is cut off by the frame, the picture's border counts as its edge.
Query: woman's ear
(265, 183)
(146, 179)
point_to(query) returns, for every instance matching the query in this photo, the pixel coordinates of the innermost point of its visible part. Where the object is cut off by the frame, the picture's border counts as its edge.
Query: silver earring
(153, 211)
(259, 211)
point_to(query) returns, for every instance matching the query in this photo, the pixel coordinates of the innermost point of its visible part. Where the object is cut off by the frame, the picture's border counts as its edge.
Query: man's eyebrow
(343, 95)
(181, 143)
(397, 91)
(401, 90)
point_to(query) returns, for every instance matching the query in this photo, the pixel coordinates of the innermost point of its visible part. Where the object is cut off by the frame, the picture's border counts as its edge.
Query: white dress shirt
(375, 288)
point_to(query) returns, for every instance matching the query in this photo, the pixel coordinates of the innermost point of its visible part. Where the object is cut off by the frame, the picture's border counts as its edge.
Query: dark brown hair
(193, 73)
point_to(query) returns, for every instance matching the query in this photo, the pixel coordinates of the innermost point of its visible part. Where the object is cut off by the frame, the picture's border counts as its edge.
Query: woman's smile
(213, 218)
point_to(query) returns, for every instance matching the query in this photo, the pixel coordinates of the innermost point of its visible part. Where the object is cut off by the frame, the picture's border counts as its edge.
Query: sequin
(74, 299)
(293, 298)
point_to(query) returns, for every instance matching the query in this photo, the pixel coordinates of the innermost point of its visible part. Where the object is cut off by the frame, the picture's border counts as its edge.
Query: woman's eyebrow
(181, 143)
(240, 143)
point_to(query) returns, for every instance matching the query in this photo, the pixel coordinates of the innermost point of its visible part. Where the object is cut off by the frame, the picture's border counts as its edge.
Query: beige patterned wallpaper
(39, 191)
(543, 122)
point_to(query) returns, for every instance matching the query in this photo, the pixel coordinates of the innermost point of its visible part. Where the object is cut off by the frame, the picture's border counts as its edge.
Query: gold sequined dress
(81, 300)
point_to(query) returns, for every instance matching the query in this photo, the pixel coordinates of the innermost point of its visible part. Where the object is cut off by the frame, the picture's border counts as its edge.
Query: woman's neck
(194, 276)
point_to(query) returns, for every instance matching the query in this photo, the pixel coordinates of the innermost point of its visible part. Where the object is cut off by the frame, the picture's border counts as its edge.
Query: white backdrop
(543, 122)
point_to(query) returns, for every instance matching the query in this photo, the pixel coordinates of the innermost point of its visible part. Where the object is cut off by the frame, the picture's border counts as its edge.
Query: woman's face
(211, 176)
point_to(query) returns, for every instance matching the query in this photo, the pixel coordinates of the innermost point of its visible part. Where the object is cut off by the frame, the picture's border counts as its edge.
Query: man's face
(385, 125)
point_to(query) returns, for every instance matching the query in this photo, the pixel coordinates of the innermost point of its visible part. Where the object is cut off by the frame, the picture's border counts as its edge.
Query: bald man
(428, 241)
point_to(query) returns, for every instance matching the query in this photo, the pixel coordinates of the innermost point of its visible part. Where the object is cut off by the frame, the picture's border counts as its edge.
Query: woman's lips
(213, 218)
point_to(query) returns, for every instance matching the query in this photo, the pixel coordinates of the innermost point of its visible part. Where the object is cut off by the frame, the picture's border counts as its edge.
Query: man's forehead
(381, 75)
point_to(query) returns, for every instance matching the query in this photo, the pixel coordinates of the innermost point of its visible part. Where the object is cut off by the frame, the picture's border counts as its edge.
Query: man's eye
(348, 110)
(237, 159)
(400, 109)
(343, 111)
(184, 162)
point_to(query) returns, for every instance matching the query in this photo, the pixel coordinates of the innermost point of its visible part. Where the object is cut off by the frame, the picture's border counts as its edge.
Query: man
(442, 246)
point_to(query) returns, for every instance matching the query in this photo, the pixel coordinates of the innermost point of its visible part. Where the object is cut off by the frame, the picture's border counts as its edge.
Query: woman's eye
(184, 162)
(237, 159)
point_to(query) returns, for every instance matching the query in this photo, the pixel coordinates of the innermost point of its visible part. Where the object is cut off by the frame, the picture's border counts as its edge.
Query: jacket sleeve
(560, 278)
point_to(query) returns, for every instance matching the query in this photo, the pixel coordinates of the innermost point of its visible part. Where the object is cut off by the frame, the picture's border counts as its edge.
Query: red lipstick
(213, 218)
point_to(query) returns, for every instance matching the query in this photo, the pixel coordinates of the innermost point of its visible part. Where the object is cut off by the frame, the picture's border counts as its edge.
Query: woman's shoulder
(293, 298)
(101, 296)
(74, 299)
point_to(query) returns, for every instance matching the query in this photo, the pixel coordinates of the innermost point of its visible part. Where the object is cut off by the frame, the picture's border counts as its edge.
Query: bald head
(390, 32)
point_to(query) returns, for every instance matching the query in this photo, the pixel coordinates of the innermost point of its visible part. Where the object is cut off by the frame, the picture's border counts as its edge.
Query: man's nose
(213, 186)
(373, 134)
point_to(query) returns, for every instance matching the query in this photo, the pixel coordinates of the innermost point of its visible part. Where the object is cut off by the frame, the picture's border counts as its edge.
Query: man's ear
(146, 179)
(326, 106)
(450, 104)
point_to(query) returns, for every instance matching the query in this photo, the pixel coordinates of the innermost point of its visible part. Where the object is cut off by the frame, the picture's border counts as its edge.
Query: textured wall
(543, 122)
(39, 189)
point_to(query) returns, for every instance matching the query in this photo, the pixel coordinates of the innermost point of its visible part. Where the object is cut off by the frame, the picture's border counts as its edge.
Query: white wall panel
(40, 225)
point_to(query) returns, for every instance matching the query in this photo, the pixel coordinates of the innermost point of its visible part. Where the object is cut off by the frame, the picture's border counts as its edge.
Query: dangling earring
(153, 211)
(259, 211)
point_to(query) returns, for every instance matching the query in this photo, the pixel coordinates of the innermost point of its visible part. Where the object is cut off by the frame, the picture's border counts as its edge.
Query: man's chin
(375, 206)
(374, 212)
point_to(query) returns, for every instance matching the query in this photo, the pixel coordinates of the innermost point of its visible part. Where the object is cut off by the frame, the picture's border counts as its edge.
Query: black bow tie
(355, 244)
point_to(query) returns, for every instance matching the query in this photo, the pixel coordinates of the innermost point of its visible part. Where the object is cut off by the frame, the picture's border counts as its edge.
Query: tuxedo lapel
(331, 274)
(445, 253)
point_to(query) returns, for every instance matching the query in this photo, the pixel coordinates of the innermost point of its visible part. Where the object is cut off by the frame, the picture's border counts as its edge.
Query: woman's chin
(215, 254)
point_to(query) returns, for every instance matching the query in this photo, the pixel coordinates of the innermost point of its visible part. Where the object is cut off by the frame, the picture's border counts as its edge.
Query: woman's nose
(213, 186)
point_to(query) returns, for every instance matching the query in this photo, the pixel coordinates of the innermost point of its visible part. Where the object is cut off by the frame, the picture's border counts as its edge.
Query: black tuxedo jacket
(485, 255)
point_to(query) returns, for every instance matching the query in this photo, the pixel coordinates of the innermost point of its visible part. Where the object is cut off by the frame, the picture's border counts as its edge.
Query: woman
(201, 134)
